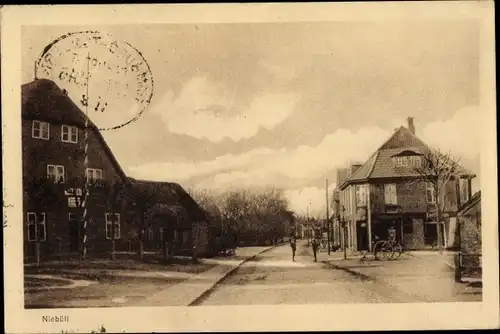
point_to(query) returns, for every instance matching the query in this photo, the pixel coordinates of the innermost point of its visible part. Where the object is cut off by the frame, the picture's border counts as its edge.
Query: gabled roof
(380, 164)
(171, 197)
(475, 199)
(364, 171)
(43, 100)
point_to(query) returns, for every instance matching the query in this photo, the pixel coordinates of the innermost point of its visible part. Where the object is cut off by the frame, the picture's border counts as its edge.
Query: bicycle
(383, 250)
(387, 250)
(397, 249)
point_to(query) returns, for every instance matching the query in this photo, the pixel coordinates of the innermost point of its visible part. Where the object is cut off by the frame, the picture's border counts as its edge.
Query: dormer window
(407, 159)
(40, 130)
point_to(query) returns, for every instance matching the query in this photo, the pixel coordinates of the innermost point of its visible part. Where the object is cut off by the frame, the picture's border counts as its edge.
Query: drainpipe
(369, 218)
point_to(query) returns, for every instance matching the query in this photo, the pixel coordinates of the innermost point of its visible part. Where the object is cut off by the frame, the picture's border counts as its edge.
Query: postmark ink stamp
(109, 78)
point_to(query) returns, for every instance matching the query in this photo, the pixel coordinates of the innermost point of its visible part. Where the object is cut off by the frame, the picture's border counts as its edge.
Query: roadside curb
(207, 292)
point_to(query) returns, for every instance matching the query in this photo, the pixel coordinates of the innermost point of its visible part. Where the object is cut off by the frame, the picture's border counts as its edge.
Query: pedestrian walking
(293, 244)
(315, 245)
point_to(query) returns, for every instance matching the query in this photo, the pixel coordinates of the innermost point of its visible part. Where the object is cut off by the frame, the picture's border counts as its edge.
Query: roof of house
(380, 165)
(42, 99)
(171, 198)
(475, 199)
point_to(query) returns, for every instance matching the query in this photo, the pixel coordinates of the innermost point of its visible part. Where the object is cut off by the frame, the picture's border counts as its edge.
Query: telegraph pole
(344, 228)
(327, 219)
(308, 227)
(85, 166)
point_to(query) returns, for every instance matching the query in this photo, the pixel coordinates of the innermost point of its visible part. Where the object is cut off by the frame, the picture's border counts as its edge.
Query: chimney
(411, 125)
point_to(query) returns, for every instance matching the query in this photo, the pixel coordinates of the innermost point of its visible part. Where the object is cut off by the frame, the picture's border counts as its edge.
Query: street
(256, 275)
(272, 278)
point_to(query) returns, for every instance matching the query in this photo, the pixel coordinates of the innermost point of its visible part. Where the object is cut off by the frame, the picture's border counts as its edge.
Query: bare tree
(257, 213)
(438, 169)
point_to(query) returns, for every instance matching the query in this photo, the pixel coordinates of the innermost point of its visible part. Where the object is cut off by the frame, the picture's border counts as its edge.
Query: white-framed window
(360, 195)
(464, 190)
(69, 134)
(37, 230)
(109, 217)
(416, 161)
(430, 193)
(55, 173)
(390, 194)
(93, 174)
(40, 130)
(408, 161)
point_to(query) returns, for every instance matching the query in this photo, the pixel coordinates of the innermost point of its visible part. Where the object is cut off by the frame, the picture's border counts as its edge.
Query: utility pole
(308, 228)
(344, 226)
(327, 219)
(85, 205)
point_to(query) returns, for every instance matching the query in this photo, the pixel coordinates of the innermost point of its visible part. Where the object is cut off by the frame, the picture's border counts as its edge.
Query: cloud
(284, 168)
(460, 134)
(182, 171)
(310, 200)
(207, 110)
(297, 170)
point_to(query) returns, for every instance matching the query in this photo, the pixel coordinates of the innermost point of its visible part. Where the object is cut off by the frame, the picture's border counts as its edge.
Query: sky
(282, 104)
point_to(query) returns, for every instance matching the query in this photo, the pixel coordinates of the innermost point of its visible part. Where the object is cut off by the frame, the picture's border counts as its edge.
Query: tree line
(249, 215)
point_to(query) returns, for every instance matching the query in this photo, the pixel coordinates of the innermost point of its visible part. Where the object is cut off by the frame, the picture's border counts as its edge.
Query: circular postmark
(109, 79)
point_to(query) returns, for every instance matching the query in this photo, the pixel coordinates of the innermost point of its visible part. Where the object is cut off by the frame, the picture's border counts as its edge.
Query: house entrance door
(431, 234)
(74, 233)
(362, 236)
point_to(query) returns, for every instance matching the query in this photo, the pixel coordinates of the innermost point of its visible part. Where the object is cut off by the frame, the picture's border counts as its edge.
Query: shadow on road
(356, 274)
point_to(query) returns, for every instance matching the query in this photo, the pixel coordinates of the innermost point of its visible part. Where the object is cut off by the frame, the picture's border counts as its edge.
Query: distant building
(469, 218)
(387, 190)
(174, 218)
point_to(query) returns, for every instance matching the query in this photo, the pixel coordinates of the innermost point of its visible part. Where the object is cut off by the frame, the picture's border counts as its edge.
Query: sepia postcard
(249, 167)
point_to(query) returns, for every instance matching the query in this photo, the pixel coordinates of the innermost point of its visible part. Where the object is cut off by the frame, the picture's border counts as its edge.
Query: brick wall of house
(37, 153)
(470, 242)
(411, 196)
